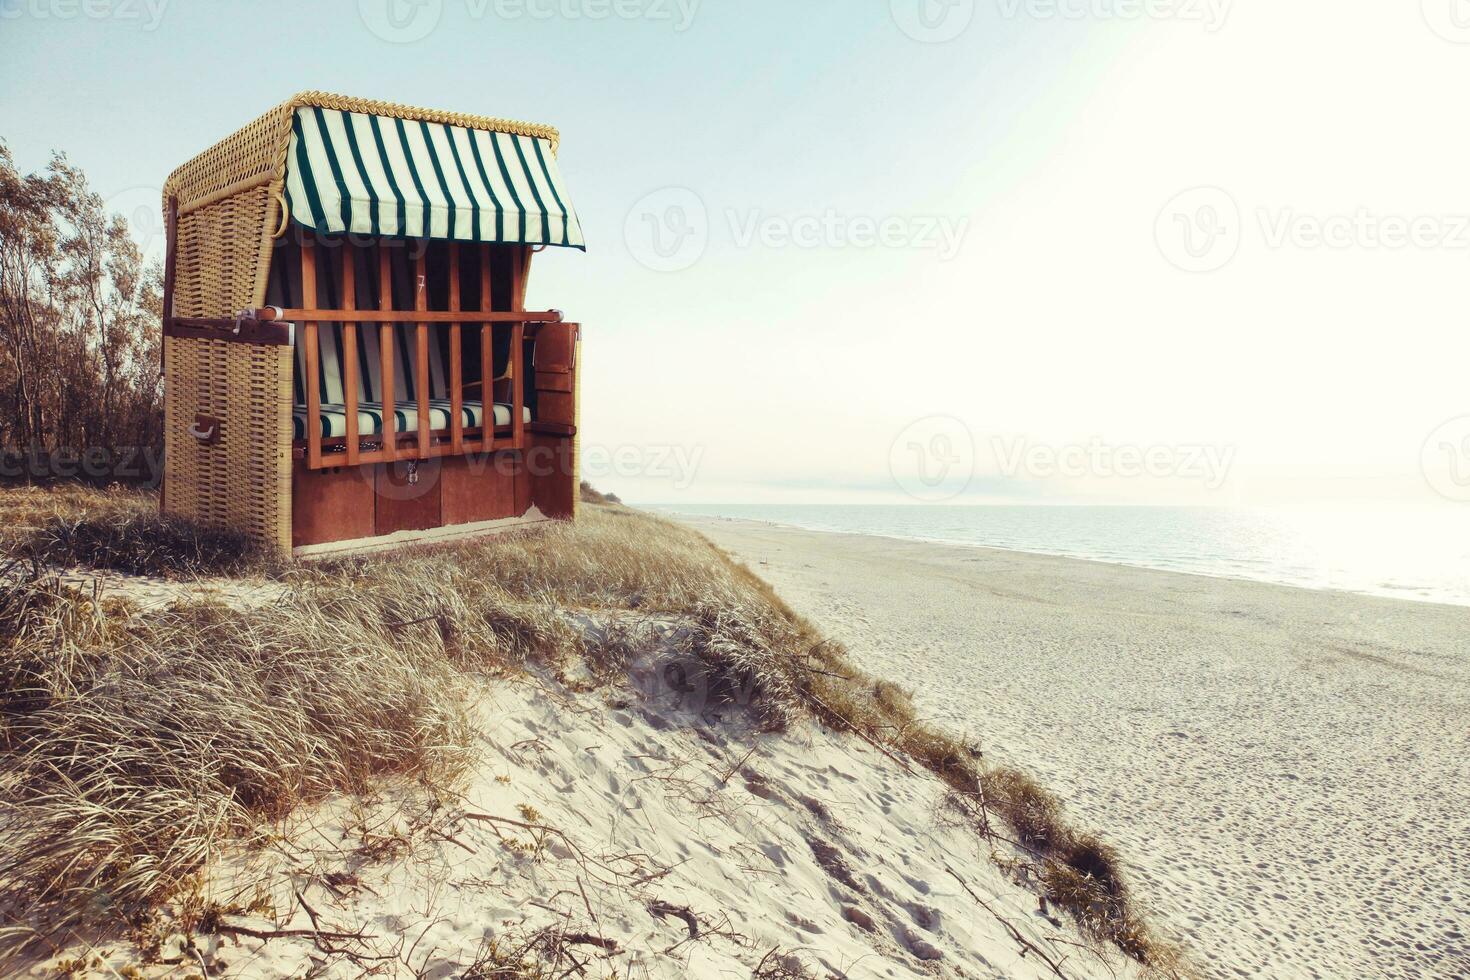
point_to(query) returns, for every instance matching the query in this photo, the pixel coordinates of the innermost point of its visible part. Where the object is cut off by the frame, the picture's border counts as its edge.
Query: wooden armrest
(474, 385)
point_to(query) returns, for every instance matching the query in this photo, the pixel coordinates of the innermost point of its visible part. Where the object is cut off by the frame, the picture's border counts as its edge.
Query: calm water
(1409, 554)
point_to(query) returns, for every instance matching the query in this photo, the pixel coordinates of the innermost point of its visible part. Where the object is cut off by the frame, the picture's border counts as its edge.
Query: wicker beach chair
(348, 359)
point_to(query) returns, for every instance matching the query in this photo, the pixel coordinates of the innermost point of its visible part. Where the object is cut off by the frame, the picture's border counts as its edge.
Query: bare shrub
(591, 495)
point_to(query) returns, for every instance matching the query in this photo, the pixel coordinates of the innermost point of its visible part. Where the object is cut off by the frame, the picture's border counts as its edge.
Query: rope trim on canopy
(260, 148)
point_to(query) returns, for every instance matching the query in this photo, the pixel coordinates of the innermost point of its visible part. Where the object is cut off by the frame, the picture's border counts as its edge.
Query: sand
(152, 593)
(626, 819)
(1286, 771)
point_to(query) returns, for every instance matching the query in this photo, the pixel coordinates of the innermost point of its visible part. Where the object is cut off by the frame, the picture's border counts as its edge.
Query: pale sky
(1226, 243)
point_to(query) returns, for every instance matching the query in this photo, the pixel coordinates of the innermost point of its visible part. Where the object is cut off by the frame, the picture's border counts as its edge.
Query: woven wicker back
(228, 200)
(244, 480)
(228, 209)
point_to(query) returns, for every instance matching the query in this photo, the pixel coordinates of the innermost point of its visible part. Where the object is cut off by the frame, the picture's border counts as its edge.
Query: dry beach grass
(119, 530)
(135, 746)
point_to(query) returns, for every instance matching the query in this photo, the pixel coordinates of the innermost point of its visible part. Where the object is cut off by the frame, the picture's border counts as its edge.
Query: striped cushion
(331, 381)
(406, 418)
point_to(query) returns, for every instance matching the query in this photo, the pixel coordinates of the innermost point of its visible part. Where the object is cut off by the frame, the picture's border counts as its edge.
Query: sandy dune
(654, 835)
(1288, 771)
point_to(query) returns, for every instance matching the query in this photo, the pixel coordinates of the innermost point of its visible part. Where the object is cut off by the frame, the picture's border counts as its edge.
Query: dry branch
(1025, 943)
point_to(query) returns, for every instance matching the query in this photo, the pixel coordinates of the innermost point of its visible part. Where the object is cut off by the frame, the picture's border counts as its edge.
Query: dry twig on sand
(1026, 944)
(661, 910)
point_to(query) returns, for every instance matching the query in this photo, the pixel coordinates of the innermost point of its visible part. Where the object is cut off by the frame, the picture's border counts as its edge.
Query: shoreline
(1386, 593)
(1281, 768)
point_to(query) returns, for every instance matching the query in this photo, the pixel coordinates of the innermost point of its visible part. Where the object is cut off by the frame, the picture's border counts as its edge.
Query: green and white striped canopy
(382, 175)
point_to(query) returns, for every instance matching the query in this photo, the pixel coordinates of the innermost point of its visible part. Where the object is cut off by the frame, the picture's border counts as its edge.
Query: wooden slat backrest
(313, 392)
(419, 364)
(349, 353)
(421, 384)
(385, 349)
(456, 360)
(487, 355)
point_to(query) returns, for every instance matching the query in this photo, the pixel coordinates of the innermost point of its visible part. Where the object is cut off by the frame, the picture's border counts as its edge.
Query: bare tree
(79, 318)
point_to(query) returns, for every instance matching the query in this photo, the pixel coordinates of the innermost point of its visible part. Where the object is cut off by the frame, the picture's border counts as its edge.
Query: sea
(1416, 554)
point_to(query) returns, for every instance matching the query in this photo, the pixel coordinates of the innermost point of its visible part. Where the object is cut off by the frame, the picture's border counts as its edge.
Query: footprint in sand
(879, 888)
(924, 916)
(775, 853)
(918, 885)
(804, 924)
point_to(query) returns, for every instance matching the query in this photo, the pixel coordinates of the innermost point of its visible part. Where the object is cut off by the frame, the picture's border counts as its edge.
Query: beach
(575, 773)
(1284, 770)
